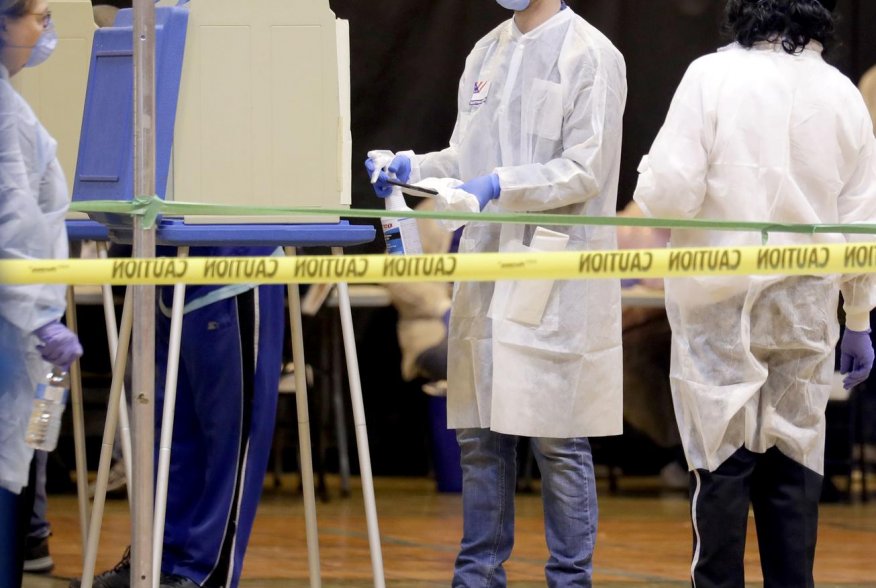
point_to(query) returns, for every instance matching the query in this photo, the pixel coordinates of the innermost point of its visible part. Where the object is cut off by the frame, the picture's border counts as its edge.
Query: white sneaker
(37, 559)
(116, 481)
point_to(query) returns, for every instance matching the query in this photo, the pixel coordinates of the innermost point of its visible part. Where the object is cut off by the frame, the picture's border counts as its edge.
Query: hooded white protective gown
(760, 135)
(33, 202)
(544, 111)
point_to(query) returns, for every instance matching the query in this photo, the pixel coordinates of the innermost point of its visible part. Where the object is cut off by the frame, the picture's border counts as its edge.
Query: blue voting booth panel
(86, 230)
(342, 234)
(105, 167)
(176, 233)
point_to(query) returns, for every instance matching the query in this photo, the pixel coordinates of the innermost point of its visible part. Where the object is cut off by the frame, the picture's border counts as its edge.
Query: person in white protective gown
(540, 110)
(33, 202)
(763, 130)
(867, 86)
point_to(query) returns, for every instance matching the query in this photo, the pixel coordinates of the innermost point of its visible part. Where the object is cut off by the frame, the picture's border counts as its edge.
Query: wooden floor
(644, 539)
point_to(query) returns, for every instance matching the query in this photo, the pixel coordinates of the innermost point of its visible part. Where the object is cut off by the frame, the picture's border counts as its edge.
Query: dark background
(407, 56)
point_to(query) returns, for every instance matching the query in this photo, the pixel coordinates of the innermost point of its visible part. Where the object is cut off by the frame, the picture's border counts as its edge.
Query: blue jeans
(39, 525)
(489, 475)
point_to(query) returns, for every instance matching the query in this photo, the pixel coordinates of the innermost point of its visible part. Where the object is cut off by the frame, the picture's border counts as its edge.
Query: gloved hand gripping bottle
(48, 408)
(401, 234)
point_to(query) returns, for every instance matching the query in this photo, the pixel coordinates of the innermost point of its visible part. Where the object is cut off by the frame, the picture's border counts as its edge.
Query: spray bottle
(401, 234)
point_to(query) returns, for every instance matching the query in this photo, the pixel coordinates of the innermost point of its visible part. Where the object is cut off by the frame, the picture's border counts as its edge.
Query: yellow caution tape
(646, 263)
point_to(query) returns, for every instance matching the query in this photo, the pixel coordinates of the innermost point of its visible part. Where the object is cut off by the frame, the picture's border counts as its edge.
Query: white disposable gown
(544, 111)
(33, 202)
(867, 85)
(760, 135)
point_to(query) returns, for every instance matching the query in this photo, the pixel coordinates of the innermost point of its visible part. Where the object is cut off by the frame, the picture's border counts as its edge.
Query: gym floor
(644, 539)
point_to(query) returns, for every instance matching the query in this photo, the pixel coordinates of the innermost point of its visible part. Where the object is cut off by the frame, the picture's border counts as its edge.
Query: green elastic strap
(151, 207)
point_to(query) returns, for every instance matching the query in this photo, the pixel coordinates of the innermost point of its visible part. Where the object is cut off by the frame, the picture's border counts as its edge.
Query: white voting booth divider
(264, 109)
(262, 119)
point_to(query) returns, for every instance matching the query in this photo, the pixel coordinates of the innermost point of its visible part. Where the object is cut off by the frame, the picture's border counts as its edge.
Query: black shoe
(118, 577)
(168, 581)
(37, 559)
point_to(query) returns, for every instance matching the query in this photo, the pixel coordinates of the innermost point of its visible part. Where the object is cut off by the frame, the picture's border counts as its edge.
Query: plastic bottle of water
(48, 408)
(401, 234)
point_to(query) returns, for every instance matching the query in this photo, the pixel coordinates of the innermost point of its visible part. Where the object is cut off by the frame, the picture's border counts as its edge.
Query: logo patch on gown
(481, 91)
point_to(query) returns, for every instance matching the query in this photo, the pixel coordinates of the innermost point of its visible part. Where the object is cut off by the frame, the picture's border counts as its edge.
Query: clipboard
(412, 190)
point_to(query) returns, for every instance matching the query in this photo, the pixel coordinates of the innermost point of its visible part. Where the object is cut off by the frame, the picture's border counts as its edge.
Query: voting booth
(253, 109)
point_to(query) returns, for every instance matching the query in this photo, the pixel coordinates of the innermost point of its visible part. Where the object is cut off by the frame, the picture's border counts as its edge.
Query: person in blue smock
(33, 202)
(230, 363)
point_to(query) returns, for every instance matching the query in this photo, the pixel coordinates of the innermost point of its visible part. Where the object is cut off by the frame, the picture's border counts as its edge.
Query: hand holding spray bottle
(401, 234)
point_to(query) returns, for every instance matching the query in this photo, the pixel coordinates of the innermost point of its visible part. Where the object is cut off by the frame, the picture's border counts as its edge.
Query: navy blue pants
(784, 495)
(230, 361)
(15, 510)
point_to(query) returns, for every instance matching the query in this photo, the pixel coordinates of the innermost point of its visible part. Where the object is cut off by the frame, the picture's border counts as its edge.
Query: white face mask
(44, 47)
(516, 5)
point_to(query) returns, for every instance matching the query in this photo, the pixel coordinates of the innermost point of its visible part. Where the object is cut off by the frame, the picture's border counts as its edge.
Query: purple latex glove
(856, 357)
(484, 188)
(454, 241)
(446, 319)
(400, 166)
(60, 346)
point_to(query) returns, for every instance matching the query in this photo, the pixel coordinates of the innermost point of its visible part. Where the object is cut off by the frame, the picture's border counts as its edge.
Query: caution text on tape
(650, 263)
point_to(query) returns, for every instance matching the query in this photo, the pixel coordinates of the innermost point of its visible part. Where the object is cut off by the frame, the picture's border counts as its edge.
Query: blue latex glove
(446, 319)
(60, 346)
(400, 166)
(484, 188)
(856, 357)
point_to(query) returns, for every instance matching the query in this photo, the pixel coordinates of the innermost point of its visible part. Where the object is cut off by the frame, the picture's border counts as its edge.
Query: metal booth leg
(106, 450)
(163, 474)
(112, 338)
(306, 457)
(78, 425)
(361, 430)
(337, 402)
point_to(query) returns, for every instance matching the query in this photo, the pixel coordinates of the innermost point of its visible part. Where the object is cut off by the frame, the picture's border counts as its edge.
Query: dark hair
(14, 8)
(792, 22)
